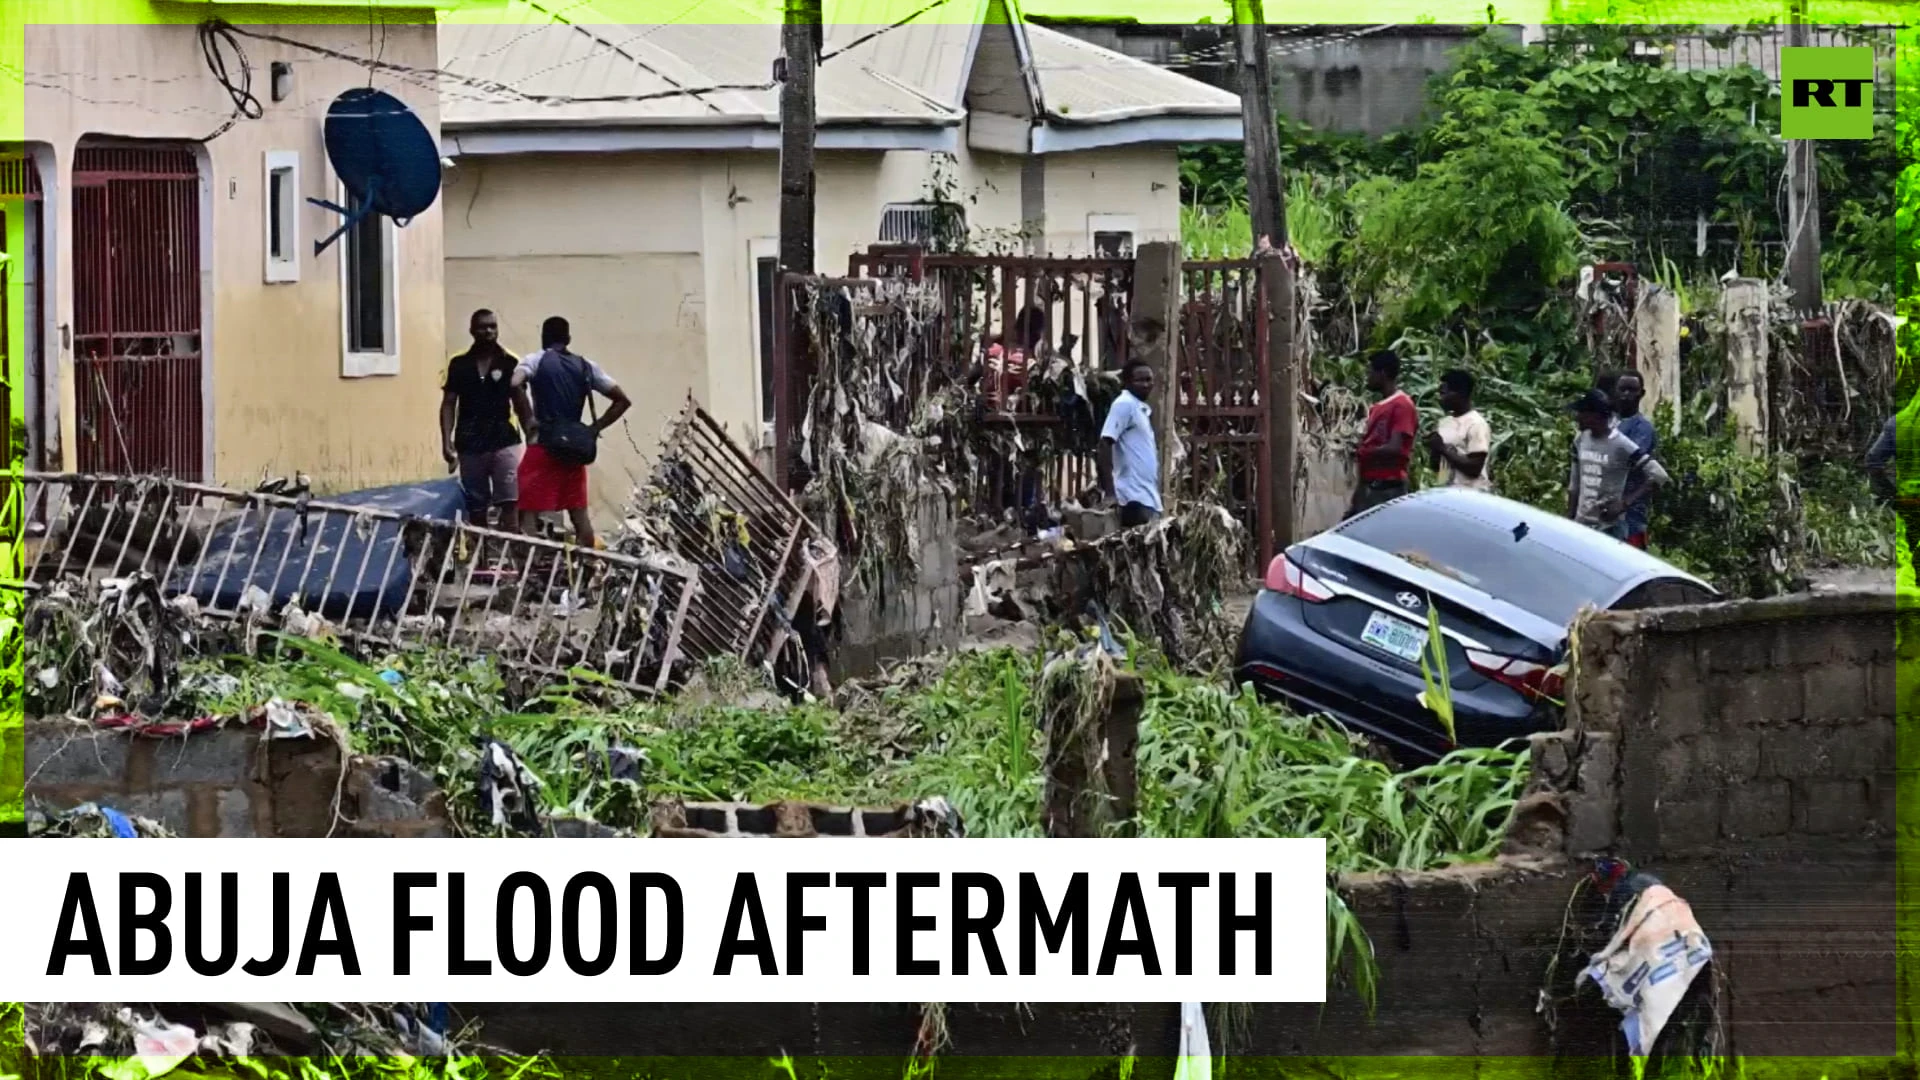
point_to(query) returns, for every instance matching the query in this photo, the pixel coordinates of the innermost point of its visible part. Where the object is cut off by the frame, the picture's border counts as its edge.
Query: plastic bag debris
(1652, 960)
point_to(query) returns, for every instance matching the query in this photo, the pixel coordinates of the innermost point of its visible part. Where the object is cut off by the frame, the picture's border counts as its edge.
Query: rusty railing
(755, 552)
(378, 577)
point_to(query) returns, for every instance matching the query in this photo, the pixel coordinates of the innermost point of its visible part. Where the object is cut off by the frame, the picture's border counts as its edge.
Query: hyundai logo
(1408, 600)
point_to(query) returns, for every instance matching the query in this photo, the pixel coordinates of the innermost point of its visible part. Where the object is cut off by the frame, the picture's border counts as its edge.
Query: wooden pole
(1283, 398)
(1803, 200)
(1266, 197)
(1267, 207)
(801, 51)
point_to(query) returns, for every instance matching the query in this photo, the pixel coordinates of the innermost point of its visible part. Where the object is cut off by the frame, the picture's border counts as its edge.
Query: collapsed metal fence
(372, 576)
(757, 556)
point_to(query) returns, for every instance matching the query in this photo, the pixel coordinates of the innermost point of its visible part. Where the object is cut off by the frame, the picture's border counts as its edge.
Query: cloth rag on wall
(1196, 1054)
(1648, 966)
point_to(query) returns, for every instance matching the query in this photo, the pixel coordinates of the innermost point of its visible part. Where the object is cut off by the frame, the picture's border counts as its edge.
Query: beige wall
(651, 256)
(611, 242)
(276, 399)
(1138, 181)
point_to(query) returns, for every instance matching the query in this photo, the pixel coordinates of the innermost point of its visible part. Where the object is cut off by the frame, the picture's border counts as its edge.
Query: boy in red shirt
(1387, 444)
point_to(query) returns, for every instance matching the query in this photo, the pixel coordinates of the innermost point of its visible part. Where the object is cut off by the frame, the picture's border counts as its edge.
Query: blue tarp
(369, 571)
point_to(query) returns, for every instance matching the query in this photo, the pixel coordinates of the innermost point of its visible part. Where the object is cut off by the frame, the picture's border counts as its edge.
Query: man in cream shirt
(1461, 442)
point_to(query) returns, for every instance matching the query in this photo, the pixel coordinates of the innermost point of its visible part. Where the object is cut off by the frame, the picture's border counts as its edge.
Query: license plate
(1396, 636)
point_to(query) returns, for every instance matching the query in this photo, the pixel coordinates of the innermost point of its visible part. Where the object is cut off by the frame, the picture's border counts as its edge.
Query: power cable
(214, 33)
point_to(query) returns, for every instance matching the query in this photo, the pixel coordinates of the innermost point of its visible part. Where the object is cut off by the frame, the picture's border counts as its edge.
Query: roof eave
(496, 140)
(1165, 129)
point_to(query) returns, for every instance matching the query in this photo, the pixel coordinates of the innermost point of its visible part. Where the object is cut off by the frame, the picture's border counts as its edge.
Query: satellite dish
(384, 157)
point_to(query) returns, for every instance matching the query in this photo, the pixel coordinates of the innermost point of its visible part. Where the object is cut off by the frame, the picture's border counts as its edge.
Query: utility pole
(1266, 198)
(800, 39)
(1267, 207)
(1803, 199)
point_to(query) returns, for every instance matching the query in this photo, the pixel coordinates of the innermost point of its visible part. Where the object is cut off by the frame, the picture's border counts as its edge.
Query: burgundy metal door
(136, 342)
(1222, 383)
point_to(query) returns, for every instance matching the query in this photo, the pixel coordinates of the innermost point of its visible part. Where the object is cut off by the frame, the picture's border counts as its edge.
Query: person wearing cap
(1603, 462)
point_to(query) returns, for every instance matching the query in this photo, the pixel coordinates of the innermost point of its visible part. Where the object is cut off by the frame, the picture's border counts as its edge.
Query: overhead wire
(245, 105)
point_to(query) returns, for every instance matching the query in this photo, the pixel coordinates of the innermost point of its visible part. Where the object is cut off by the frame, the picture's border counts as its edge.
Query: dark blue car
(1342, 622)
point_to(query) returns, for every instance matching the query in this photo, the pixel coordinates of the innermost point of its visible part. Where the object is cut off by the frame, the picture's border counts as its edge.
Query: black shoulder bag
(571, 442)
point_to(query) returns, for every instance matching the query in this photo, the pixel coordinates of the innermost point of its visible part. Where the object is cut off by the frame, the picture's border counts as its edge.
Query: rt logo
(1828, 93)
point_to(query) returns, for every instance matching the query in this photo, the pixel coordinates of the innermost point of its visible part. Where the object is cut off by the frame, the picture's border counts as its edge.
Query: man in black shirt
(477, 435)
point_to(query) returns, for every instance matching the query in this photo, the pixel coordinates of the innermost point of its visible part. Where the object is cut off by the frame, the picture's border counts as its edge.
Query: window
(1111, 235)
(369, 294)
(933, 225)
(283, 216)
(764, 260)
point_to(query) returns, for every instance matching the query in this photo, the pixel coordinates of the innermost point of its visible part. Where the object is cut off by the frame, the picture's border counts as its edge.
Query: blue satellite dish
(384, 156)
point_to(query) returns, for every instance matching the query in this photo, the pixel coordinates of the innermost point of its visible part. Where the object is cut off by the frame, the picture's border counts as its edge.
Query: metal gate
(1079, 310)
(1221, 390)
(137, 333)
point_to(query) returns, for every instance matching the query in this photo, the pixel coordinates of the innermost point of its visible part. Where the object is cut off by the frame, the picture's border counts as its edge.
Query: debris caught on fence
(756, 555)
(367, 569)
(1164, 581)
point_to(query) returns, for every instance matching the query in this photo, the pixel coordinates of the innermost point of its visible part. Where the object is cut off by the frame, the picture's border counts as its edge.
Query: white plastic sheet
(1196, 1053)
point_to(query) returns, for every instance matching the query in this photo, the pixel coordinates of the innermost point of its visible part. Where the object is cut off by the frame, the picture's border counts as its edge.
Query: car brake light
(1531, 679)
(1289, 580)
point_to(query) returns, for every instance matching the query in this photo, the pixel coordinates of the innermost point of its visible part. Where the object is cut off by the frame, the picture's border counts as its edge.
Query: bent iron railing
(375, 576)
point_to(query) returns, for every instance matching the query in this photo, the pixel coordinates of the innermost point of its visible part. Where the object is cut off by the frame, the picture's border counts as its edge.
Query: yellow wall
(650, 256)
(278, 401)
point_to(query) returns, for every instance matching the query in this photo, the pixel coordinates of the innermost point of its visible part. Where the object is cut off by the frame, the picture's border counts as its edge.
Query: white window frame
(765, 247)
(284, 268)
(361, 365)
(1112, 223)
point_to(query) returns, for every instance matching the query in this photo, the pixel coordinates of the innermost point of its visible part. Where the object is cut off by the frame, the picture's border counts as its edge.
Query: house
(626, 177)
(177, 317)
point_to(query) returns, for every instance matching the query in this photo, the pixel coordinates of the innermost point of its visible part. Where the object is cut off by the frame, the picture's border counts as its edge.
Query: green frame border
(15, 15)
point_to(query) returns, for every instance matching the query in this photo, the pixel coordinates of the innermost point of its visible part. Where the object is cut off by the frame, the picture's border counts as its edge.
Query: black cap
(1593, 401)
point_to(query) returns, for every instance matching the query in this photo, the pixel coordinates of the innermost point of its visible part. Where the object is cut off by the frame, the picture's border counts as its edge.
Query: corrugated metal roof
(1085, 83)
(552, 74)
(714, 66)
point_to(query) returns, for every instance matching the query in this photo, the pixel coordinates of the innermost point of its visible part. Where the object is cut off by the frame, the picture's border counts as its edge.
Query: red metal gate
(1221, 405)
(137, 343)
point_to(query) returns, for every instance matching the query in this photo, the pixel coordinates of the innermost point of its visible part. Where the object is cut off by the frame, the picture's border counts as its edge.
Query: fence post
(1743, 311)
(1153, 335)
(1078, 803)
(1283, 401)
(1656, 335)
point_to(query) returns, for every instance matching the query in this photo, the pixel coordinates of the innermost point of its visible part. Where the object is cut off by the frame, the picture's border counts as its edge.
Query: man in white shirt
(1461, 442)
(1129, 459)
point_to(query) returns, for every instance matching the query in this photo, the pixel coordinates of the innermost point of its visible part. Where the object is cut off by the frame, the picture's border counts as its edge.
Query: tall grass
(1213, 760)
(1316, 222)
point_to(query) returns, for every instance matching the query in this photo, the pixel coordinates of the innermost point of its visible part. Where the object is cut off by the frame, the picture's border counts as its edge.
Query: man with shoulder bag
(553, 474)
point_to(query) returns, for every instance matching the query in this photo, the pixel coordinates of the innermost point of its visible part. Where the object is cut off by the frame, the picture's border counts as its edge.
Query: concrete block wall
(229, 782)
(1745, 753)
(780, 819)
(911, 614)
(1767, 724)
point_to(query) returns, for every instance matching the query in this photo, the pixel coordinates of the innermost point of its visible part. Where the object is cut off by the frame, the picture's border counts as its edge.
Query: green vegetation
(1458, 244)
(1213, 761)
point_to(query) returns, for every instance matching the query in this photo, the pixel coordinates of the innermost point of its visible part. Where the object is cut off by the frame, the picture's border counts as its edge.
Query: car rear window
(1524, 572)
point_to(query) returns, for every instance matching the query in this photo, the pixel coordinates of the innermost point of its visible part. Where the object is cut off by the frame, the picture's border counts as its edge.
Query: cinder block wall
(1748, 755)
(912, 612)
(229, 782)
(1764, 726)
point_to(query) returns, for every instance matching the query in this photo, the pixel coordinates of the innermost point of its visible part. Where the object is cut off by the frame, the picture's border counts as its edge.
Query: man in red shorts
(562, 385)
